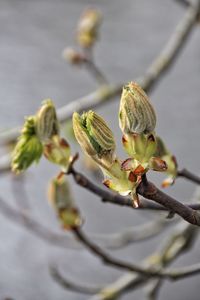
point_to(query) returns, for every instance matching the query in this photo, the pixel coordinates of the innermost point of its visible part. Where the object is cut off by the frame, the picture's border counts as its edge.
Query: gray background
(32, 37)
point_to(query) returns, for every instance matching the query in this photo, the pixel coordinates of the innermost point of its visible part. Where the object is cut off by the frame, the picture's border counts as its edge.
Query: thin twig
(188, 175)
(72, 285)
(96, 72)
(170, 251)
(150, 272)
(173, 47)
(185, 3)
(133, 234)
(39, 230)
(112, 241)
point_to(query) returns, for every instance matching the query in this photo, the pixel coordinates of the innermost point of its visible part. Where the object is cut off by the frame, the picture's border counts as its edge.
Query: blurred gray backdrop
(33, 34)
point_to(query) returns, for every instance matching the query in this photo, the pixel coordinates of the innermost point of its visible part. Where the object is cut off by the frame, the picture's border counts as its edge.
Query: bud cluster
(40, 135)
(137, 120)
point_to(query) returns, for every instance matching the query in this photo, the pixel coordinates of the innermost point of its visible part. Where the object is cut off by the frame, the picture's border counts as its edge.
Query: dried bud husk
(73, 56)
(87, 32)
(158, 164)
(57, 151)
(136, 114)
(61, 199)
(172, 166)
(46, 121)
(94, 137)
(28, 148)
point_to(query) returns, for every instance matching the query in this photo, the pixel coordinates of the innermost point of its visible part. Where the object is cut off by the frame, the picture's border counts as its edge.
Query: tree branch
(147, 190)
(151, 192)
(175, 246)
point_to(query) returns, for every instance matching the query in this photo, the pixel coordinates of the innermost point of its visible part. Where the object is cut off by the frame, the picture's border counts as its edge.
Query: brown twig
(149, 272)
(147, 190)
(188, 175)
(151, 192)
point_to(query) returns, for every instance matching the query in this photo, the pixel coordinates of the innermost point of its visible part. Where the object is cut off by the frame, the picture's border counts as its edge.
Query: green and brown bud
(28, 148)
(94, 137)
(136, 114)
(46, 121)
(61, 199)
(158, 164)
(73, 56)
(57, 151)
(172, 166)
(88, 27)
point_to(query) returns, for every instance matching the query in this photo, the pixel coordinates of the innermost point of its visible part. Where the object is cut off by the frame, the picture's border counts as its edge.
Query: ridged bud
(136, 114)
(61, 199)
(88, 26)
(28, 148)
(94, 136)
(46, 121)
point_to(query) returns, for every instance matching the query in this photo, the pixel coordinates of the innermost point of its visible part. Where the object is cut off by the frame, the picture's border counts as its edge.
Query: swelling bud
(95, 137)
(28, 148)
(46, 121)
(136, 114)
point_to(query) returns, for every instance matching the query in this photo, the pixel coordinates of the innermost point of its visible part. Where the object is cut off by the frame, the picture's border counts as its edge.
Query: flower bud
(62, 201)
(57, 151)
(88, 28)
(46, 121)
(28, 148)
(73, 56)
(136, 114)
(94, 136)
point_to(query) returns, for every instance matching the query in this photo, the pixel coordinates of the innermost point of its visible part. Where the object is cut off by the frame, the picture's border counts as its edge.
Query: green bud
(136, 114)
(61, 199)
(28, 148)
(57, 151)
(94, 137)
(46, 121)
(88, 27)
